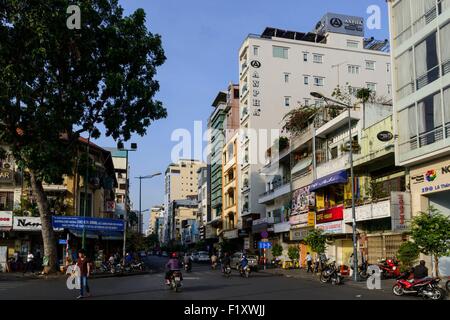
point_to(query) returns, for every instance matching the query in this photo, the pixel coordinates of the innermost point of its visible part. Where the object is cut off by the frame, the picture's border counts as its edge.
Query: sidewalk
(18, 276)
(386, 285)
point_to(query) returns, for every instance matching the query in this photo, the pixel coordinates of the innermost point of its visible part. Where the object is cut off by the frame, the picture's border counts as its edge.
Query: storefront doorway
(441, 201)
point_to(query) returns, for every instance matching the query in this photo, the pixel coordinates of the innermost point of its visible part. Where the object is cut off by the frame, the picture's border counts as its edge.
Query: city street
(201, 284)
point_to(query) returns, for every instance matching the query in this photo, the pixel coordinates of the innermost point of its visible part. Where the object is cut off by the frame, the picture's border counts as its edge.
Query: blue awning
(335, 178)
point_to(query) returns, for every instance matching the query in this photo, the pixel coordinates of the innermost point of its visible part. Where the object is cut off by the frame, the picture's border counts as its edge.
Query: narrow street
(201, 284)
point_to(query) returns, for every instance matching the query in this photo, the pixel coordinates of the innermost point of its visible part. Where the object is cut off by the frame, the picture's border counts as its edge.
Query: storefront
(430, 186)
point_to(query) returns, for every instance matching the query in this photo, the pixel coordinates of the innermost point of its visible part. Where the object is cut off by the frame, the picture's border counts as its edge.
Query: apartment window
(423, 12)
(334, 153)
(352, 44)
(286, 78)
(426, 61)
(305, 56)
(6, 201)
(287, 101)
(280, 52)
(306, 80)
(447, 110)
(255, 50)
(318, 81)
(89, 204)
(430, 119)
(318, 58)
(370, 65)
(404, 74)
(307, 102)
(319, 103)
(372, 86)
(353, 90)
(401, 13)
(352, 69)
(445, 46)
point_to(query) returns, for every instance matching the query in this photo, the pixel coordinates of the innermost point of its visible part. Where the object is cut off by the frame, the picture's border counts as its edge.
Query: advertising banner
(329, 215)
(91, 224)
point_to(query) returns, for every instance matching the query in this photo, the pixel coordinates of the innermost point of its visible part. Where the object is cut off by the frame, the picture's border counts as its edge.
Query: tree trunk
(436, 265)
(48, 235)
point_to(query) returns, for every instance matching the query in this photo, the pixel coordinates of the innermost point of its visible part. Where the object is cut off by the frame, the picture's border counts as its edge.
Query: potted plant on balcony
(298, 119)
(283, 143)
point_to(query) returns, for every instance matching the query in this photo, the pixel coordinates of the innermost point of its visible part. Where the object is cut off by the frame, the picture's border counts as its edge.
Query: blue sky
(201, 39)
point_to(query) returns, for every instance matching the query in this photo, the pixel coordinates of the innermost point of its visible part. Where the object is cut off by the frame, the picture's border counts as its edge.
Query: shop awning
(301, 165)
(335, 178)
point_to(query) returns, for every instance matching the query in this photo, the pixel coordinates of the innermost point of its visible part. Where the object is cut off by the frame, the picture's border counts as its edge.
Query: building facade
(181, 182)
(278, 71)
(421, 84)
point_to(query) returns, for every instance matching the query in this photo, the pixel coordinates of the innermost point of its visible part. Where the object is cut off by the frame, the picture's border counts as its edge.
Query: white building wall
(273, 88)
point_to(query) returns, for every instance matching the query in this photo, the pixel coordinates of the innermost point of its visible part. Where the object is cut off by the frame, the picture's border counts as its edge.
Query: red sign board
(329, 215)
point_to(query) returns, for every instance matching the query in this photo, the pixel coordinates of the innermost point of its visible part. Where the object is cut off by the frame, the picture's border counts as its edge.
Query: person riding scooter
(173, 265)
(213, 261)
(187, 262)
(226, 262)
(243, 264)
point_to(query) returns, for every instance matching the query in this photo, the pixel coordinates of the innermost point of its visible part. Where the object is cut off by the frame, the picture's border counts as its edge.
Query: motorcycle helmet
(174, 255)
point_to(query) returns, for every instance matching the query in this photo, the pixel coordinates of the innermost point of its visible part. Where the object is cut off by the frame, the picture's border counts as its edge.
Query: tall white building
(420, 34)
(278, 71)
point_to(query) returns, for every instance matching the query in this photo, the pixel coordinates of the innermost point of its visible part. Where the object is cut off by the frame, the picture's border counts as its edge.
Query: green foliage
(297, 120)
(316, 240)
(58, 81)
(408, 253)
(431, 232)
(293, 253)
(376, 190)
(135, 242)
(277, 250)
(364, 94)
(151, 241)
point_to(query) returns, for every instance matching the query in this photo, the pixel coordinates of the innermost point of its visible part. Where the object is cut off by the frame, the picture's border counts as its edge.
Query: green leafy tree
(277, 250)
(293, 253)
(431, 232)
(408, 253)
(56, 84)
(316, 240)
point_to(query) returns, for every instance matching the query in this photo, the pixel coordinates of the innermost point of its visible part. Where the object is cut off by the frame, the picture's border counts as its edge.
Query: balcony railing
(277, 191)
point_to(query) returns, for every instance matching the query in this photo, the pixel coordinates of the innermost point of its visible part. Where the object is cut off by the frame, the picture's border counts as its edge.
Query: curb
(60, 275)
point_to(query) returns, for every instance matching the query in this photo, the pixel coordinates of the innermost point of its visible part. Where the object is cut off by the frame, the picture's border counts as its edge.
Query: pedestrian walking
(85, 271)
(309, 262)
(30, 263)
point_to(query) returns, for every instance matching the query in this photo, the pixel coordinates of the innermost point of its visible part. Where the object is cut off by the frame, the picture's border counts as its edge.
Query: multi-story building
(204, 209)
(182, 211)
(181, 182)
(420, 33)
(153, 224)
(278, 71)
(223, 124)
(122, 169)
(18, 209)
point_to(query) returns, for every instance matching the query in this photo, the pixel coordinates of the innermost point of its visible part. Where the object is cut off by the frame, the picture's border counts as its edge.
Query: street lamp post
(352, 175)
(140, 196)
(120, 147)
(85, 204)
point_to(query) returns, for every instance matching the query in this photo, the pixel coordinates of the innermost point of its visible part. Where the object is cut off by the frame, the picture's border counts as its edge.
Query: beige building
(181, 182)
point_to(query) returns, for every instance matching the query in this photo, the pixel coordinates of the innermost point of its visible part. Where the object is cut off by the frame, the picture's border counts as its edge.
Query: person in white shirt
(309, 262)
(30, 263)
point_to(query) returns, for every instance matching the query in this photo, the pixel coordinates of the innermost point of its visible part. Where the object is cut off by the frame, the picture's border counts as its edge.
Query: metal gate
(383, 246)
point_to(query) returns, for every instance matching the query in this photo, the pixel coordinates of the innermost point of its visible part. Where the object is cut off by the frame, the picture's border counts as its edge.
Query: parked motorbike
(331, 274)
(427, 288)
(175, 281)
(245, 272)
(389, 268)
(137, 266)
(447, 285)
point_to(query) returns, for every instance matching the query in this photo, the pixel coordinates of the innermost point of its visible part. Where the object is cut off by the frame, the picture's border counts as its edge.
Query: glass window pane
(430, 119)
(402, 22)
(445, 48)
(426, 61)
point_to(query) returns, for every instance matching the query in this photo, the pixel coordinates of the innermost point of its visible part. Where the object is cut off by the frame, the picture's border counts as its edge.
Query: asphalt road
(201, 284)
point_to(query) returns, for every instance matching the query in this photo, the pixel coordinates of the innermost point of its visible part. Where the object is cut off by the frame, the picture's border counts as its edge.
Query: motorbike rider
(213, 260)
(226, 261)
(243, 262)
(173, 265)
(187, 260)
(420, 271)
